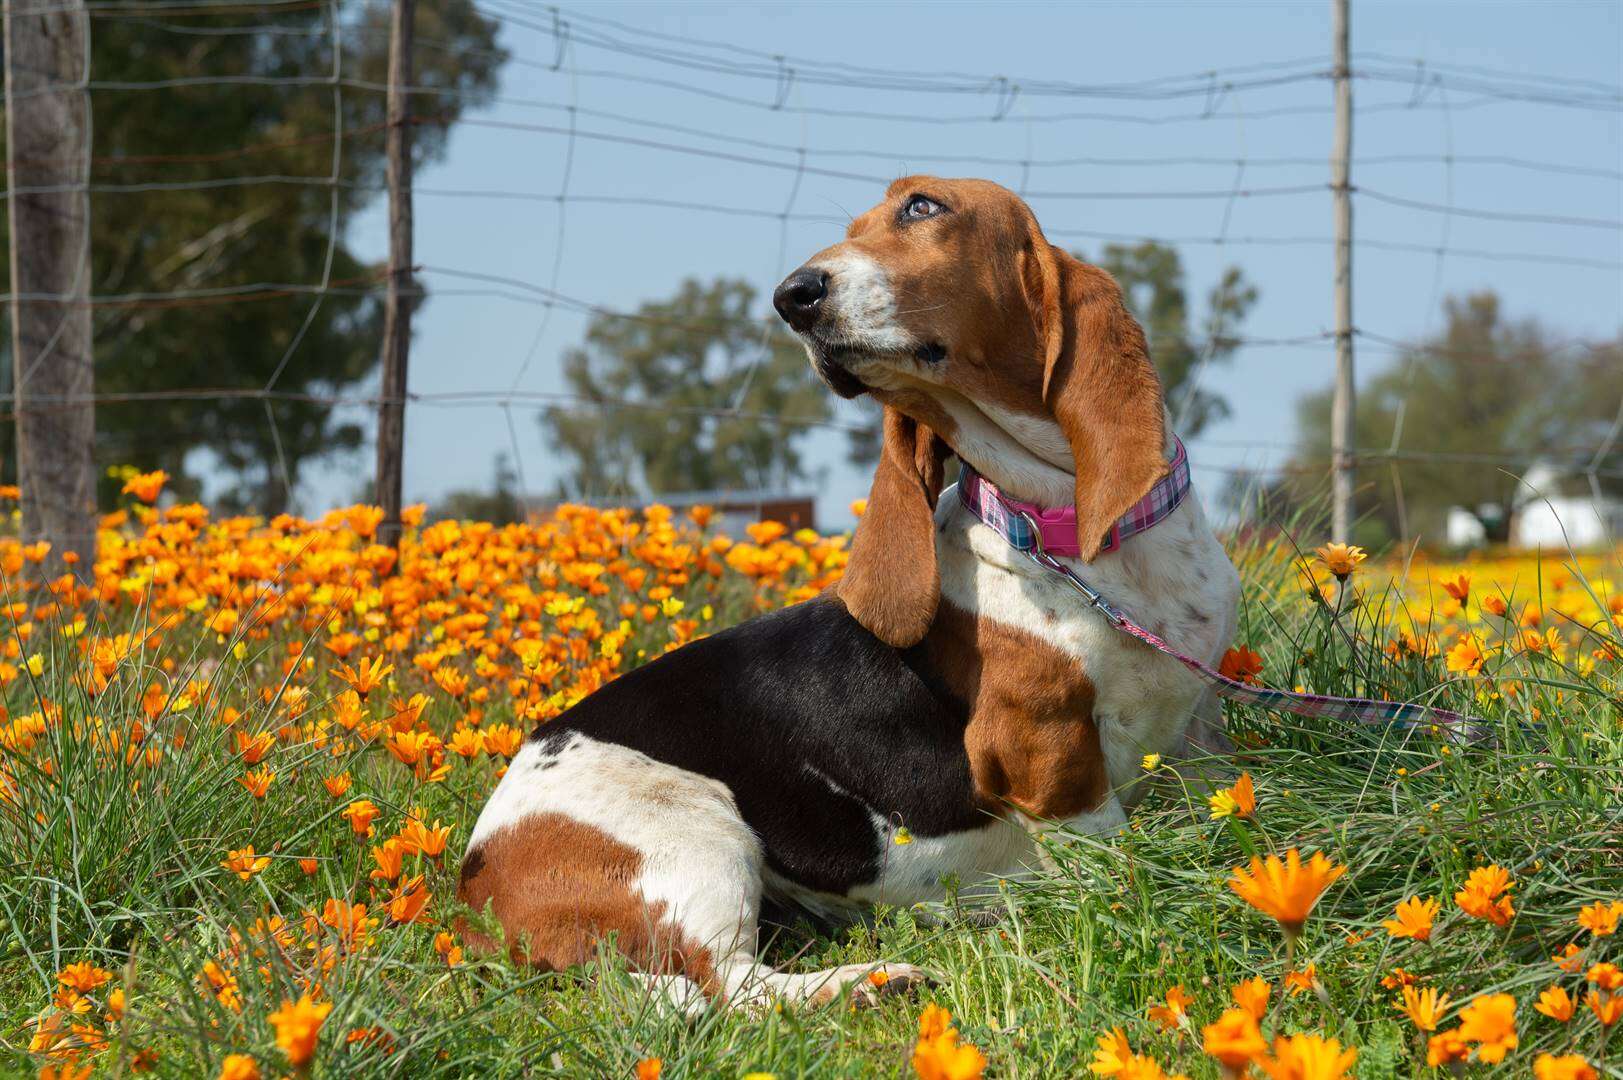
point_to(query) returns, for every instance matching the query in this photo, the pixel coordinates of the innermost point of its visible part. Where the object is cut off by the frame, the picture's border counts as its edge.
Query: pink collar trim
(1027, 526)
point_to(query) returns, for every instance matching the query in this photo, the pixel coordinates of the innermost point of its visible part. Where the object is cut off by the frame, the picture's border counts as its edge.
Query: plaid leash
(1010, 521)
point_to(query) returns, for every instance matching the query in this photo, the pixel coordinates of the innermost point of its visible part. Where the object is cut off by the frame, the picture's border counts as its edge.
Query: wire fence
(579, 53)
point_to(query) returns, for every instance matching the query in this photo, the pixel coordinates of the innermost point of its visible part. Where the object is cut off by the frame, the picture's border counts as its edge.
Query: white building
(1555, 508)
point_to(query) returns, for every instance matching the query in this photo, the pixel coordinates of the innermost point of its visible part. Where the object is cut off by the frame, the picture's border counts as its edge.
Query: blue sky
(617, 255)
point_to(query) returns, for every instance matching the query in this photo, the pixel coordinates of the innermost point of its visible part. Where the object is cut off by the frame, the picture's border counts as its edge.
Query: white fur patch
(698, 857)
(862, 304)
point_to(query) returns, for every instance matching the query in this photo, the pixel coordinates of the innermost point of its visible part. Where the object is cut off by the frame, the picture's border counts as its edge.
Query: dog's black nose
(800, 298)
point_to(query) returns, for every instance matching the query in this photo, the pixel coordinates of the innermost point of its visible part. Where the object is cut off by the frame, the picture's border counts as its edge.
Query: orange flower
(649, 1068)
(388, 855)
(1490, 1022)
(1414, 918)
(337, 786)
(1465, 657)
(1171, 1014)
(253, 748)
(366, 676)
(1341, 559)
(1494, 606)
(1556, 1003)
(1286, 890)
(239, 1067)
(449, 950)
(1601, 919)
(1301, 982)
(1606, 1007)
(83, 977)
(244, 864)
(466, 742)
(361, 813)
(408, 900)
(1459, 588)
(1606, 976)
(257, 781)
(1569, 1067)
(145, 486)
(1234, 1040)
(938, 1055)
(309, 866)
(1569, 959)
(424, 839)
(1424, 1007)
(1252, 996)
(298, 1026)
(1242, 665)
(1308, 1057)
(1482, 896)
(1237, 801)
(1446, 1047)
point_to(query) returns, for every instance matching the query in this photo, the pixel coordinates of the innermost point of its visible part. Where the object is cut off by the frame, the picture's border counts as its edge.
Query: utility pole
(1342, 458)
(400, 298)
(48, 165)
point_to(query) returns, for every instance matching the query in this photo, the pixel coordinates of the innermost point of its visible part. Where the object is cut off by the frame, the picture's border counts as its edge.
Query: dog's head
(948, 305)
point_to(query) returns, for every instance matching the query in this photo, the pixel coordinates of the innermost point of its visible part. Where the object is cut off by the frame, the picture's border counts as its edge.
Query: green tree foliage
(233, 235)
(1485, 386)
(660, 374)
(1152, 279)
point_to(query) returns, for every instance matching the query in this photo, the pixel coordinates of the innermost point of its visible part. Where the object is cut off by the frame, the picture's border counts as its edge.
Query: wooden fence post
(400, 299)
(48, 169)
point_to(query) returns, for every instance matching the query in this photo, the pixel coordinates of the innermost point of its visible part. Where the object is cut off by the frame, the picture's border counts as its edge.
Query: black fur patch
(813, 723)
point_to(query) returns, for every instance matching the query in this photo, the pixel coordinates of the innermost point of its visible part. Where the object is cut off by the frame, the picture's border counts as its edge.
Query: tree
(1152, 281)
(657, 388)
(1487, 397)
(235, 235)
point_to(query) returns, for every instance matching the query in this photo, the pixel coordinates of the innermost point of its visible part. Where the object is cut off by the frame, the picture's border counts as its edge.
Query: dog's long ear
(1099, 384)
(891, 585)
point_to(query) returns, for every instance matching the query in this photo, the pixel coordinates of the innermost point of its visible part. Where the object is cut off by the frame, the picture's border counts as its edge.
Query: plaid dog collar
(1026, 525)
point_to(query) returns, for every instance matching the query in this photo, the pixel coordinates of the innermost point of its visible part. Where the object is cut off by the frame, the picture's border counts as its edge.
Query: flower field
(237, 771)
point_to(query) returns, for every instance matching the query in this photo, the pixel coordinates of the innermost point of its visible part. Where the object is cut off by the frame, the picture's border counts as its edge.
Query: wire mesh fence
(287, 166)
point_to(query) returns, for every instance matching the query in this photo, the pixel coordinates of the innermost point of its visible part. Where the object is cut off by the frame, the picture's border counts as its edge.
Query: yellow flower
(1111, 1054)
(1568, 1067)
(1150, 762)
(1341, 559)
(1237, 801)
(1286, 889)
(1308, 1057)
(36, 665)
(298, 1026)
(1414, 919)
(1424, 1007)
(1490, 1022)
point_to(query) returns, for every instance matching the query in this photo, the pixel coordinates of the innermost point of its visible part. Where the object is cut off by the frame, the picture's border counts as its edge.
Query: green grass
(117, 862)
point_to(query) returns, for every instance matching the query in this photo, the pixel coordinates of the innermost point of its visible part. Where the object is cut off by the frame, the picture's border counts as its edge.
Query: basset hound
(949, 700)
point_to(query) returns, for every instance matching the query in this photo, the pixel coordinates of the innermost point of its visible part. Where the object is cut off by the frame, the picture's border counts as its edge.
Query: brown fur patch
(1031, 738)
(559, 887)
(891, 584)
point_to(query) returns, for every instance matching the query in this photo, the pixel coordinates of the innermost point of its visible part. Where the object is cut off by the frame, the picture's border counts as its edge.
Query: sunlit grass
(122, 764)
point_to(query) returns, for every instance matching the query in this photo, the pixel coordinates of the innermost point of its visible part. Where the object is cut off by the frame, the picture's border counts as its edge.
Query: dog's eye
(920, 207)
